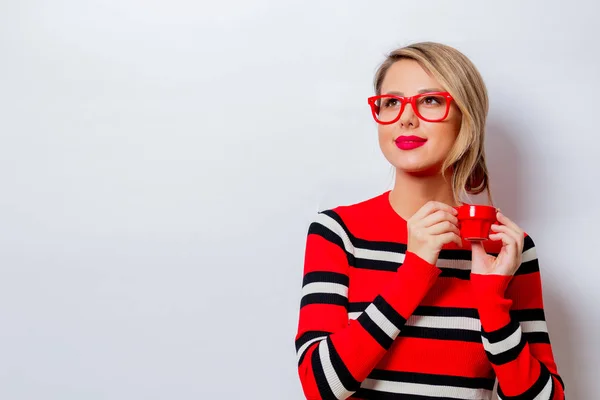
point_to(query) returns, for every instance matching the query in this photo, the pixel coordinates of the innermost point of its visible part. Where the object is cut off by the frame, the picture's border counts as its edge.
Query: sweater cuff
(411, 283)
(489, 295)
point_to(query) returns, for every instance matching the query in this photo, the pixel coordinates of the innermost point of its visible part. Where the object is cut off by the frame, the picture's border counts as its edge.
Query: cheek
(385, 132)
(443, 138)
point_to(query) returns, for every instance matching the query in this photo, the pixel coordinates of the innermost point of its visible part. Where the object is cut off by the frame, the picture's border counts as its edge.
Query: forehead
(408, 77)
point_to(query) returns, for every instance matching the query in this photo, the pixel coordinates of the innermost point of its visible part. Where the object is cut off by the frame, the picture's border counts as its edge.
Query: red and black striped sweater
(378, 322)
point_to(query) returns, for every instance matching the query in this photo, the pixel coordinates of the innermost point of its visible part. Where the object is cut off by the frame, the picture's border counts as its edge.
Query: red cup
(475, 221)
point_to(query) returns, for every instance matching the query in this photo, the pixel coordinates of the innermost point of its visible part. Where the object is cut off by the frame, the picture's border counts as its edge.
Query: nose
(408, 116)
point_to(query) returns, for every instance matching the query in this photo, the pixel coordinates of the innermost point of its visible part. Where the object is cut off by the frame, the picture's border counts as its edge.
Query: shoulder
(360, 209)
(354, 212)
(528, 243)
(529, 258)
(345, 218)
(525, 288)
(529, 255)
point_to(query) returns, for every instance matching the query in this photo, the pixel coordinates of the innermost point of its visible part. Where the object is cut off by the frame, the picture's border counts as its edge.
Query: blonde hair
(457, 74)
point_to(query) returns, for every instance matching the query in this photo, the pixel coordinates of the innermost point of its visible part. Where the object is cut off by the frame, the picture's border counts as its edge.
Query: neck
(411, 192)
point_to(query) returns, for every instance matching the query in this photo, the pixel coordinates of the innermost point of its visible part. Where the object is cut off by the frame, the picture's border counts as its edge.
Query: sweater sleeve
(336, 354)
(514, 331)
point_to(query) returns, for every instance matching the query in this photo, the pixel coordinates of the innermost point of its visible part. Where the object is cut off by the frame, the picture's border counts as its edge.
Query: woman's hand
(509, 259)
(431, 227)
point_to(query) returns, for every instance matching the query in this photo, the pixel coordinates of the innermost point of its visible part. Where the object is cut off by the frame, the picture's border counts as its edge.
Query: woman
(394, 303)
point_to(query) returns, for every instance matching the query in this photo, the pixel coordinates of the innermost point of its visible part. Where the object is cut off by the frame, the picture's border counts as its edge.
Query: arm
(514, 332)
(334, 354)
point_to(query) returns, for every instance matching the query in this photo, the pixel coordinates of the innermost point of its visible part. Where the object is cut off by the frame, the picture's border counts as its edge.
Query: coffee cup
(475, 221)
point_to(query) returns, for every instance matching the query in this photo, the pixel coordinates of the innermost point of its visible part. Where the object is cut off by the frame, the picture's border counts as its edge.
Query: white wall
(160, 162)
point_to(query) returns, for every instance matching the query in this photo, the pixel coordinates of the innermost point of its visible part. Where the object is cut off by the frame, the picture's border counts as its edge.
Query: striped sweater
(378, 322)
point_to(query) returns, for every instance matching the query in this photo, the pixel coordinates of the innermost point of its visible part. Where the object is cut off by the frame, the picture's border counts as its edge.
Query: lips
(409, 142)
(410, 139)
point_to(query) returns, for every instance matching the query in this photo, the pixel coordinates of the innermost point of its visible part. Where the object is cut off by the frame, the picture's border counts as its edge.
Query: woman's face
(407, 78)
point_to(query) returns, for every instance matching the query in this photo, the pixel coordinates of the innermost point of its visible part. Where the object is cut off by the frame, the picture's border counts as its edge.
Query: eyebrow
(420, 91)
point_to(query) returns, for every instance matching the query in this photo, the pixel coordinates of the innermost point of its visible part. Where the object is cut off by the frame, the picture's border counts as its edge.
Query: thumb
(478, 251)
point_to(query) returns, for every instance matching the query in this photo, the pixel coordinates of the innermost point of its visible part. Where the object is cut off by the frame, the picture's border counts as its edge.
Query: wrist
(430, 259)
(417, 260)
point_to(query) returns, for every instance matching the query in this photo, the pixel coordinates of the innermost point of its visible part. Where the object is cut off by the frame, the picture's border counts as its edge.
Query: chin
(417, 167)
(413, 162)
(423, 171)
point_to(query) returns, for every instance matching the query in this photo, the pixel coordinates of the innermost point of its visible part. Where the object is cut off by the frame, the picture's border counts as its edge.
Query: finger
(458, 240)
(509, 231)
(450, 237)
(437, 217)
(504, 220)
(517, 236)
(507, 241)
(433, 206)
(442, 227)
(508, 245)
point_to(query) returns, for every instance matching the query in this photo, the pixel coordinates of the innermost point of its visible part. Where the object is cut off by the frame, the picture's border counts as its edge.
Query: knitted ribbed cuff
(411, 283)
(493, 306)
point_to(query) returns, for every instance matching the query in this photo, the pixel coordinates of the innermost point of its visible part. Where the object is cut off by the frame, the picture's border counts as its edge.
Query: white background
(160, 163)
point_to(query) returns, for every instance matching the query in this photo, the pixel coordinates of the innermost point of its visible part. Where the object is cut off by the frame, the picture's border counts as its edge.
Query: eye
(387, 103)
(432, 100)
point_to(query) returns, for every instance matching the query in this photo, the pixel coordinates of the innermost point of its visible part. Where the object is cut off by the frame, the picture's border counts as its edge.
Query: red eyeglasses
(430, 107)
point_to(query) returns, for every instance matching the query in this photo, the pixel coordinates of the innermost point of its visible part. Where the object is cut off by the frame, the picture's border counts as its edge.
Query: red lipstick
(409, 142)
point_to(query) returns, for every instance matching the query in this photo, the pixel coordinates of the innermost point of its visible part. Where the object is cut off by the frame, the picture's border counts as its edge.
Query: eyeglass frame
(413, 102)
